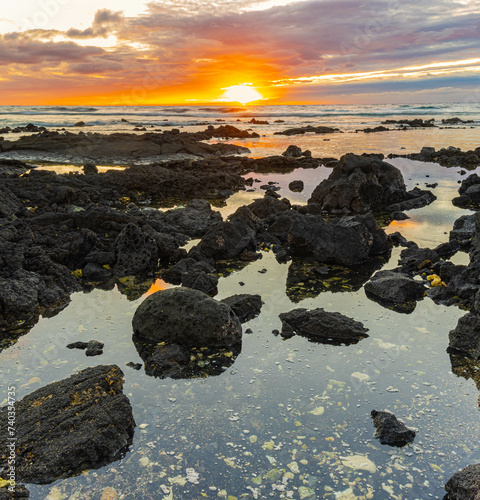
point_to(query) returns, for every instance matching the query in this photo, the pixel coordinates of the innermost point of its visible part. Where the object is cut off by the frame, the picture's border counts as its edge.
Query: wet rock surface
(464, 484)
(67, 427)
(186, 317)
(319, 325)
(245, 306)
(389, 430)
(396, 290)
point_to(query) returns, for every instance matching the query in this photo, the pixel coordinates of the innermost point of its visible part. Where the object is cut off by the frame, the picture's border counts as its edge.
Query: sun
(241, 93)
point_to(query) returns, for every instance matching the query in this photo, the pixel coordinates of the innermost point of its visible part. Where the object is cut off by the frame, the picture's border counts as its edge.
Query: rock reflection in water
(465, 367)
(181, 362)
(307, 278)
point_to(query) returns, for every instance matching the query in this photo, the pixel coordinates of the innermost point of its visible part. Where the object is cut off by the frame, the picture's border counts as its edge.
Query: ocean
(347, 118)
(289, 418)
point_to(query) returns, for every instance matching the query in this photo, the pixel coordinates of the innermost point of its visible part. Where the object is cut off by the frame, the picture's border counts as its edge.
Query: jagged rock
(194, 220)
(80, 423)
(465, 338)
(186, 317)
(245, 306)
(393, 289)
(414, 259)
(292, 152)
(175, 273)
(90, 168)
(321, 326)
(225, 240)
(359, 184)
(199, 280)
(346, 241)
(389, 430)
(464, 484)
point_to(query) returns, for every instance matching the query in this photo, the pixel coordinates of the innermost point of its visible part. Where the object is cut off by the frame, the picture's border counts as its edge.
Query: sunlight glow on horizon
(243, 94)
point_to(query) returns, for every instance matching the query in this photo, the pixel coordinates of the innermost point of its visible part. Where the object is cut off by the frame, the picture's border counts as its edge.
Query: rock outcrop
(80, 423)
(319, 325)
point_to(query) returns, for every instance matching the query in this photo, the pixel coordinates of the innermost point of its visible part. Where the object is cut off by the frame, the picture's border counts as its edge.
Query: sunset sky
(134, 52)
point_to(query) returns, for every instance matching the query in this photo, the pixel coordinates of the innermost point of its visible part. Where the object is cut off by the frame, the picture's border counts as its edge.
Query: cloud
(104, 23)
(194, 46)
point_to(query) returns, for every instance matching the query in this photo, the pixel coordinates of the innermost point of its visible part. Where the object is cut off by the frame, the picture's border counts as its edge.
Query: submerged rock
(245, 306)
(395, 290)
(389, 430)
(92, 347)
(322, 326)
(464, 484)
(80, 423)
(186, 317)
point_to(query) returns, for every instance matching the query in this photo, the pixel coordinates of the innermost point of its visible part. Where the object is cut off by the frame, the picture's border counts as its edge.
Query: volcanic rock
(80, 423)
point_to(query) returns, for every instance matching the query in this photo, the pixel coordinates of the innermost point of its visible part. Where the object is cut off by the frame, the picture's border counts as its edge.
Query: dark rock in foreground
(245, 306)
(395, 290)
(67, 427)
(464, 484)
(20, 492)
(186, 317)
(391, 431)
(321, 326)
(465, 338)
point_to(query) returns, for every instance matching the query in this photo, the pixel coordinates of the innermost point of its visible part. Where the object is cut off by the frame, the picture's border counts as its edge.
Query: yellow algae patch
(435, 280)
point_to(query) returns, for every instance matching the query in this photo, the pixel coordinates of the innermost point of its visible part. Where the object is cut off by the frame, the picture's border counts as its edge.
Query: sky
(188, 52)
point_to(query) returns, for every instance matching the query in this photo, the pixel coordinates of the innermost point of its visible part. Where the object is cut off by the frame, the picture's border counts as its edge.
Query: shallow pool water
(289, 418)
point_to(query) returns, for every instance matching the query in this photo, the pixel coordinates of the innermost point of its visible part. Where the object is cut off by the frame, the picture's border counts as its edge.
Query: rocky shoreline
(64, 233)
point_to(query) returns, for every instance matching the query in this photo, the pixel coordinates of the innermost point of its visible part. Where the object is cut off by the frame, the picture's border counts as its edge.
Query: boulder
(389, 430)
(414, 259)
(186, 317)
(465, 338)
(296, 186)
(395, 289)
(360, 184)
(321, 326)
(225, 240)
(245, 306)
(345, 241)
(67, 427)
(464, 484)
(292, 152)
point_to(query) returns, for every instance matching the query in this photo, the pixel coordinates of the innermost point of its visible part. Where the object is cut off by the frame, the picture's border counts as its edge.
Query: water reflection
(307, 278)
(181, 362)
